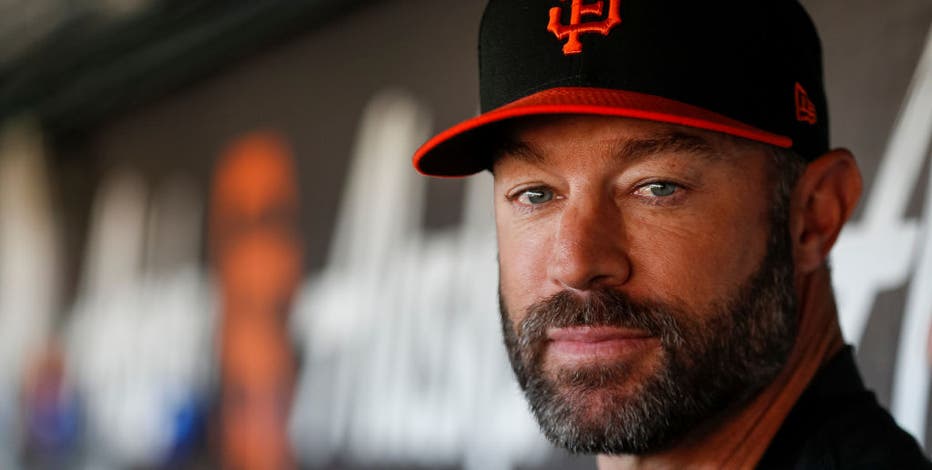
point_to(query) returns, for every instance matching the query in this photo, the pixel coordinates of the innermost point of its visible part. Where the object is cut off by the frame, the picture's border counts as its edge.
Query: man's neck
(739, 437)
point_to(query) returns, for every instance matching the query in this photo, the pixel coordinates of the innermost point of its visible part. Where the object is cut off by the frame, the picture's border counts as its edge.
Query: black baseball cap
(748, 68)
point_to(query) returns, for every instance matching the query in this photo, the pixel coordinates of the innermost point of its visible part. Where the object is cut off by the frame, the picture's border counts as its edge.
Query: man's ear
(823, 200)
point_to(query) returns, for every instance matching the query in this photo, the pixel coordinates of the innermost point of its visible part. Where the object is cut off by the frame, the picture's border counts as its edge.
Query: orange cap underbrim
(450, 153)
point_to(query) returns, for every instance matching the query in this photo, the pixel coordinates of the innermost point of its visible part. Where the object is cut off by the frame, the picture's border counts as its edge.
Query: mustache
(605, 307)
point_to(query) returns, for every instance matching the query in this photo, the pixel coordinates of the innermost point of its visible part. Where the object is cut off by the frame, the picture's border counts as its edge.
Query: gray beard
(712, 359)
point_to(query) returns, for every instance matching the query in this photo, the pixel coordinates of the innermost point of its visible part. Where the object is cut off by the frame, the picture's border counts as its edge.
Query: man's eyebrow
(517, 149)
(673, 142)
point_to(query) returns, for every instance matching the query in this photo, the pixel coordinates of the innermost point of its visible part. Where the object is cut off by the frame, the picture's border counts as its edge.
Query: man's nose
(589, 247)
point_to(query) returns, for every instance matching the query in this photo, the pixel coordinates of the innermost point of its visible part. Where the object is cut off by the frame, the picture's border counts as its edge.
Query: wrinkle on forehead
(673, 141)
(669, 140)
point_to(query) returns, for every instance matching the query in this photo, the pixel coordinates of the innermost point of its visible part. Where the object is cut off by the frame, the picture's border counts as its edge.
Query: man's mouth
(596, 343)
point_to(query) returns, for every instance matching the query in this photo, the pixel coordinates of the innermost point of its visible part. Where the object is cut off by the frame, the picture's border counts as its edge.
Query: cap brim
(464, 149)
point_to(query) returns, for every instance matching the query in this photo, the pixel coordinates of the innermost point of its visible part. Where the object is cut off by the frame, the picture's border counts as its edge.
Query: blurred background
(214, 251)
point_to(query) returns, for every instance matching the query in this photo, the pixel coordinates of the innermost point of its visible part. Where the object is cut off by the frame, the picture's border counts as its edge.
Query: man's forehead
(530, 139)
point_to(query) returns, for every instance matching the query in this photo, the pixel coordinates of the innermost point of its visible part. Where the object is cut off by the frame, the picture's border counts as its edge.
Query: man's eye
(659, 189)
(535, 196)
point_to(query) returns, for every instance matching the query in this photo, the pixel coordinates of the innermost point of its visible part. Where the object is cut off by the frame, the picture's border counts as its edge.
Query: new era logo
(805, 108)
(584, 18)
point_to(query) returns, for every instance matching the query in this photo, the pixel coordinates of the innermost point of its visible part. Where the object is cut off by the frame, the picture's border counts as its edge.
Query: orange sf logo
(578, 26)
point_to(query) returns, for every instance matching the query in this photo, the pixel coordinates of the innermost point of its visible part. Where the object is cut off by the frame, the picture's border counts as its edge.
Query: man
(666, 199)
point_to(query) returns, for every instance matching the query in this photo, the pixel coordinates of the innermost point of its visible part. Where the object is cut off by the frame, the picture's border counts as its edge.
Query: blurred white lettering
(884, 249)
(402, 344)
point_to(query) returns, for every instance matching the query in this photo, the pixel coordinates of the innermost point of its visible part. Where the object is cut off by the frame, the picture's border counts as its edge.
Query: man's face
(646, 283)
